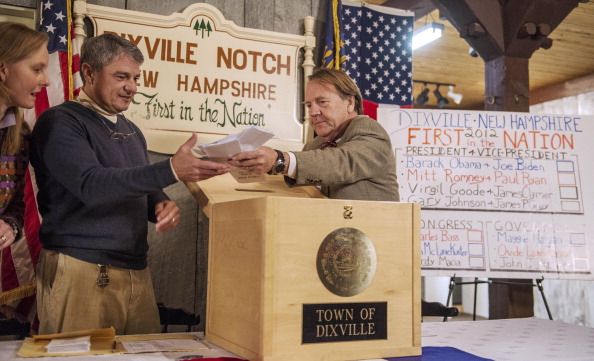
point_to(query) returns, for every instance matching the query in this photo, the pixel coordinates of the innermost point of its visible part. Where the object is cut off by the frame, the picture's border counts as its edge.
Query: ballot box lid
(225, 188)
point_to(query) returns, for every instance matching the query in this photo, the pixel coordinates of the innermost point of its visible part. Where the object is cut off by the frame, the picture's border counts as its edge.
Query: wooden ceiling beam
(495, 28)
(419, 7)
(527, 32)
(568, 88)
(505, 33)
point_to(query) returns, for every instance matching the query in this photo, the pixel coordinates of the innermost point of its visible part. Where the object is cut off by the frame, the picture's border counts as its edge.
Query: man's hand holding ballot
(189, 168)
(260, 161)
(226, 150)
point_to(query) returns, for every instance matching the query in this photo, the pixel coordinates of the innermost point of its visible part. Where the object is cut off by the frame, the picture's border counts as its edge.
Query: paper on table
(69, 345)
(163, 345)
(102, 342)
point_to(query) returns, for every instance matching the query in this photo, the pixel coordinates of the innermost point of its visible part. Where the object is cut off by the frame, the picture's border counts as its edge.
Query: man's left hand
(167, 214)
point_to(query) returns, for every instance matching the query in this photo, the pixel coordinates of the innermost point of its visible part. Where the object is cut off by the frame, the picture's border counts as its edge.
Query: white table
(502, 340)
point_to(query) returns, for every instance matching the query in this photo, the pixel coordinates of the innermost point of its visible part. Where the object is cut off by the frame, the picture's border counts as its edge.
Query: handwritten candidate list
(500, 192)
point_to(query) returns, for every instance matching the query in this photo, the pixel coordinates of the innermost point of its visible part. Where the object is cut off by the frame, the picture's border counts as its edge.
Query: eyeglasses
(117, 135)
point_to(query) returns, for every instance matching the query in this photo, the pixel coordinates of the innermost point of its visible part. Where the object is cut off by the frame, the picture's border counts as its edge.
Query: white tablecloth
(525, 339)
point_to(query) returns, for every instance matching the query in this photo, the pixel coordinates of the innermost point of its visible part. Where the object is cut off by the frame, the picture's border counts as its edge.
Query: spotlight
(423, 97)
(456, 97)
(441, 100)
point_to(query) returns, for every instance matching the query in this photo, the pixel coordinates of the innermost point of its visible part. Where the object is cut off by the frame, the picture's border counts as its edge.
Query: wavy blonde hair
(17, 42)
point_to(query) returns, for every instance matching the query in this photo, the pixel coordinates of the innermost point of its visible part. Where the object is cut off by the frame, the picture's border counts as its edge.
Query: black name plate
(333, 322)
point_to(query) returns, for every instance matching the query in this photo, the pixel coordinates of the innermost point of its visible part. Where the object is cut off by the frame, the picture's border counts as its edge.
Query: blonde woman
(23, 74)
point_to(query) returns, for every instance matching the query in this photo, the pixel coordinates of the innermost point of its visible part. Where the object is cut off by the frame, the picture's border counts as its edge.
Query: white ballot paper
(163, 345)
(69, 345)
(223, 149)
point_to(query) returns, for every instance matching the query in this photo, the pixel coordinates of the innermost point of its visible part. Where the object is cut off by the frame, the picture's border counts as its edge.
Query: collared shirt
(9, 119)
(84, 99)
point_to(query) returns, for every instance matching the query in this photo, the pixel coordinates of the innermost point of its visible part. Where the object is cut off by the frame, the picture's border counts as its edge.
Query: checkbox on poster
(476, 249)
(581, 264)
(568, 192)
(570, 206)
(565, 166)
(567, 179)
(475, 235)
(476, 262)
(577, 239)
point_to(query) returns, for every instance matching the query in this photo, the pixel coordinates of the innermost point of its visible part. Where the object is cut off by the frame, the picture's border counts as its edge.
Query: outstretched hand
(189, 168)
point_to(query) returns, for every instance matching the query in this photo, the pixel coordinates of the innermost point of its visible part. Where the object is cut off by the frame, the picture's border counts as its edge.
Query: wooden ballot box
(293, 276)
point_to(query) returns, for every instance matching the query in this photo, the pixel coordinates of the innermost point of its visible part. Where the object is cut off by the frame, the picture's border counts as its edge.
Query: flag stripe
(41, 104)
(55, 90)
(32, 217)
(63, 61)
(9, 277)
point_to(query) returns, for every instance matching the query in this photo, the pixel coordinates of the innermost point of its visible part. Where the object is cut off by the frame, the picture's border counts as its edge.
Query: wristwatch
(279, 164)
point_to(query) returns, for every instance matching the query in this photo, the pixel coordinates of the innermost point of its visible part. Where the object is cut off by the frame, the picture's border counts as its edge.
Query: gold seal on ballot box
(346, 261)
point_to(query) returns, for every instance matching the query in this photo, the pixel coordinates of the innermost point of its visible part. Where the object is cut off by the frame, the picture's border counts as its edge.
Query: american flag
(334, 44)
(378, 46)
(17, 269)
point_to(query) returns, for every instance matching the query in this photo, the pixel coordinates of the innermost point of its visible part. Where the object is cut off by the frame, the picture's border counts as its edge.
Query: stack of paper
(69, 345)
(84, 342)
(246, 140)
(162, 345)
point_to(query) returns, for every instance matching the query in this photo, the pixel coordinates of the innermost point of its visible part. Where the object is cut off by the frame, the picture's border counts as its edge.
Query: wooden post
(506, 84)
(506, 89)
(308, 66)
(79, 10)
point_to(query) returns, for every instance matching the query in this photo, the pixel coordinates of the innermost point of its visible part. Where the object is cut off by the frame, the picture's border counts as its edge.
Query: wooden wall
(274, 15)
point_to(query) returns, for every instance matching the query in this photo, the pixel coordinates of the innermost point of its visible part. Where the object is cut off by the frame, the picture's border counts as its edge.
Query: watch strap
(279, 164)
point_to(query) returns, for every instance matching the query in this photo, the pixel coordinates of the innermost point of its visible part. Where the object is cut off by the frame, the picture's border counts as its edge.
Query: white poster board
(502, 194)
(202, 73)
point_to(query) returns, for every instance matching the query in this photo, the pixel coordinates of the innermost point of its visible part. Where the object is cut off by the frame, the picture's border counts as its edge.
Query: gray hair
(101, 50)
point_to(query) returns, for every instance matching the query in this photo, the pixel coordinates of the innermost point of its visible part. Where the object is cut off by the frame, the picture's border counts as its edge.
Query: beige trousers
(69, 299)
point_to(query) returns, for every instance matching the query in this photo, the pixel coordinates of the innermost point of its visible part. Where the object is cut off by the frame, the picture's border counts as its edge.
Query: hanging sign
(205, 74)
